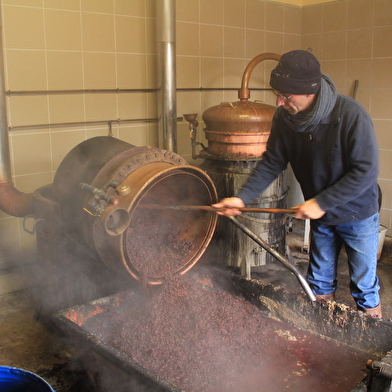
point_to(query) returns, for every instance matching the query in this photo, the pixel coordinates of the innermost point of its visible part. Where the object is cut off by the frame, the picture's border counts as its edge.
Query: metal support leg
(305, 247)
(245, 268)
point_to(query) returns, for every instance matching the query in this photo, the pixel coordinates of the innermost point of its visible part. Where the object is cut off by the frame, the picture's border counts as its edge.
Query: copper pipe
(14, 202)
(244, 92)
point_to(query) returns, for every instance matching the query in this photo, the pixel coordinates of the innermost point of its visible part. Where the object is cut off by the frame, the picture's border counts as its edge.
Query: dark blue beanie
(298, 72)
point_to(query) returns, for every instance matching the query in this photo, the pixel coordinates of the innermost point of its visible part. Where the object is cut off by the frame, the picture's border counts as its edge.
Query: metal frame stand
(306, 245)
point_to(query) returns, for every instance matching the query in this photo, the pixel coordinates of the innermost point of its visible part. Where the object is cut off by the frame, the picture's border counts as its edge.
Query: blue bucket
(17, 380)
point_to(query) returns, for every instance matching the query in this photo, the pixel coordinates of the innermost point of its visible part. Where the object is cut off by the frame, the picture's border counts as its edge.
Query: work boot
(326, 297)
(373, 312)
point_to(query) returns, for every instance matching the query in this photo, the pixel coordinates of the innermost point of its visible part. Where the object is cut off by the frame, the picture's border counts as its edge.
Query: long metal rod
(122, 90)
(277, 255)
(81, 91)
(213, 209)
(78, 123)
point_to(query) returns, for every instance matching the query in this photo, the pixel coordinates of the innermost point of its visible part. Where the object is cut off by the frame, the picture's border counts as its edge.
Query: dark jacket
(337, 163)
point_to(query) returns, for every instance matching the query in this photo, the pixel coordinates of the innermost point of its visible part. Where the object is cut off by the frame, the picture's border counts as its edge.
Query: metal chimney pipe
(166, 50)
(5, 170)
(12, 201)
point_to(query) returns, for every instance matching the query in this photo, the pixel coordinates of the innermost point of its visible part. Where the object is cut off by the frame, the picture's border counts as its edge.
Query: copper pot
(101, 187)
(239, 130)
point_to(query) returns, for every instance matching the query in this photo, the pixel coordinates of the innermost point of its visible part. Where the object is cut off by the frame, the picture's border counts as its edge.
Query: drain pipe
(12, 201)
(166, 48)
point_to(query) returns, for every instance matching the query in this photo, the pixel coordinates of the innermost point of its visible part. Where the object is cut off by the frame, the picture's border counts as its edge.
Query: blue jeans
(361, 242)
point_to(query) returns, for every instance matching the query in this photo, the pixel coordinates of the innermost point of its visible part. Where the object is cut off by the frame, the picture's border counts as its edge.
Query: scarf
(307, 120)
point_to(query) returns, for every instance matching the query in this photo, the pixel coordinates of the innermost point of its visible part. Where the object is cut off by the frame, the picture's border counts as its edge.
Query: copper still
(239, 130)
(237, 133)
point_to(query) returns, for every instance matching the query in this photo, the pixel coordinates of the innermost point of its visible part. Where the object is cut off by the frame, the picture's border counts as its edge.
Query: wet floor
(27, 343)
(277, 274)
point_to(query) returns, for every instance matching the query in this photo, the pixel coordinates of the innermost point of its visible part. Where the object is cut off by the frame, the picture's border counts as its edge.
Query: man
(330, 143)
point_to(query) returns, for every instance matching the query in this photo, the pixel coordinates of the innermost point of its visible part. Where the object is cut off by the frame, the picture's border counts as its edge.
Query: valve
(94, 207)
(113, 218)
(193, 123)
(99, 194)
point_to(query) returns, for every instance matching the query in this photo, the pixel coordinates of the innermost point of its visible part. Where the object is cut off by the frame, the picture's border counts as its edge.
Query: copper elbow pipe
(244, 92)
(14, 202)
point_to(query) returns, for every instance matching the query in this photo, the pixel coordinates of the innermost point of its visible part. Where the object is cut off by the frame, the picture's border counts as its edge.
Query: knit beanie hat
(298, 72)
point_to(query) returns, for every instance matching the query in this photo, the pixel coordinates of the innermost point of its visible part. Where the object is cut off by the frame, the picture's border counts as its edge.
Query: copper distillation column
(237, 133)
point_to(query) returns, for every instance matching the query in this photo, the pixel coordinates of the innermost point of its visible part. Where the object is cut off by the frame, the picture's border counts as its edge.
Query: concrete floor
(28, 344)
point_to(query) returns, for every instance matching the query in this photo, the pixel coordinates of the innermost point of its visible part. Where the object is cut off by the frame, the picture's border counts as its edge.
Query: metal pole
(166, 47)
(12, 201)
(5, 161)
(278, 256)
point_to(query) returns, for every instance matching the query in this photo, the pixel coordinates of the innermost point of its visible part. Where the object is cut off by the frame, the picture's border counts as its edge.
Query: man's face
(294, 103)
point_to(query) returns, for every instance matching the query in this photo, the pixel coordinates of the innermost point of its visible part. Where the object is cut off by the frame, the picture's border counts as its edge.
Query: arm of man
(273, 162)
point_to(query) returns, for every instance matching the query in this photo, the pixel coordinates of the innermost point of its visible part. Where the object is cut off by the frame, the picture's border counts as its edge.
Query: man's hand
(231, 205)
(310, 209)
